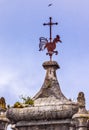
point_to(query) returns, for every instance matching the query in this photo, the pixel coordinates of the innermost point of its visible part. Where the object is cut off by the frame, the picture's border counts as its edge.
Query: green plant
(28, 100)
(18, 105)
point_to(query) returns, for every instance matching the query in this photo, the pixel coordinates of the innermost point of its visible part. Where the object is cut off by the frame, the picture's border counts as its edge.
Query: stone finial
(82, 115)
(81, 99)
(2, 103)
(4, 121)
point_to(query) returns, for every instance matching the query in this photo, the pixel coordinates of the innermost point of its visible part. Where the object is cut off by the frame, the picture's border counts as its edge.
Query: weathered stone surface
(44, 125)
(41, 113)
(49, 102)
(51, 110)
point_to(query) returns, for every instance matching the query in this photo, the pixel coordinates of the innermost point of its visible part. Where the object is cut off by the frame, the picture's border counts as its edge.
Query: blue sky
(21, 71)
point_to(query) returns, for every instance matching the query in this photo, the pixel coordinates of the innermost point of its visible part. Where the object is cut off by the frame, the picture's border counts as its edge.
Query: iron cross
(50, 25)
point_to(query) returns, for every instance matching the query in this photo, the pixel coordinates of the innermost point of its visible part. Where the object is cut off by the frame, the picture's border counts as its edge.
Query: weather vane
(50, 45)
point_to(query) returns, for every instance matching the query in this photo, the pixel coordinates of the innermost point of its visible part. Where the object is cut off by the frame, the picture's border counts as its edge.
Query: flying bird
(50, 5)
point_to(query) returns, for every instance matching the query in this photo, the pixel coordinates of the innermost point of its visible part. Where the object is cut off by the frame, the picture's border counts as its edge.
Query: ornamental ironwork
(51, 44)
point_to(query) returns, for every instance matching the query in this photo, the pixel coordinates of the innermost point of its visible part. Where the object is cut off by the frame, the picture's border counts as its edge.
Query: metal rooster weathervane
(50, 45)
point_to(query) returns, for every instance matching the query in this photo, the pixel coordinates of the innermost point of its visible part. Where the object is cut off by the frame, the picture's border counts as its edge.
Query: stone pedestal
(45, 125)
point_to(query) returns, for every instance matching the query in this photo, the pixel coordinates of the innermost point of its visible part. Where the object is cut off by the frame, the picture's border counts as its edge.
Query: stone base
(44, 125)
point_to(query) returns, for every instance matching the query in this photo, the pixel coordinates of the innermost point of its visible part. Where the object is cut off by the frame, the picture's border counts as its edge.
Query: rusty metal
(50, 45)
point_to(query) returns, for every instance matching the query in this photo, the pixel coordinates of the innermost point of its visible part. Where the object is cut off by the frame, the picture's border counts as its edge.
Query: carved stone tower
(51, 109)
